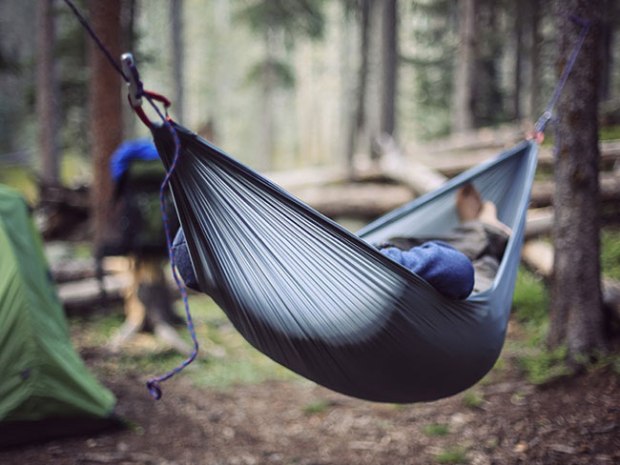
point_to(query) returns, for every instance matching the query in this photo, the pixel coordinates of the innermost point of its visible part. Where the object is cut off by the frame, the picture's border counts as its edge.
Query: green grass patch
(544, 366)
(316, 407)
(225, 359)
(454, 455)
(531, 300)
(436, 430)
(237, 361)
(610, 253)
(472, 398)
(609, 133)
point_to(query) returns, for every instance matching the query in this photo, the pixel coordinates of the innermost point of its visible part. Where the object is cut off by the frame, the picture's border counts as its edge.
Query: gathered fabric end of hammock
(154, 384)
(323, 301)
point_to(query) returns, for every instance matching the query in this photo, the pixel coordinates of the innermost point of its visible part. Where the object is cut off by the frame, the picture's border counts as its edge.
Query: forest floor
(505, 419)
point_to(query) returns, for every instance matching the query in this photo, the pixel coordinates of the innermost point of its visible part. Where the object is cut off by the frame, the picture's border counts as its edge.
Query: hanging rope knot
(154, 389)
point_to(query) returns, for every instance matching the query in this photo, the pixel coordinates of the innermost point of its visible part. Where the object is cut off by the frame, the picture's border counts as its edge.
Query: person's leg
(470, 206)
(488, 216)
(481, 236)
(468, 203)
(484, 235)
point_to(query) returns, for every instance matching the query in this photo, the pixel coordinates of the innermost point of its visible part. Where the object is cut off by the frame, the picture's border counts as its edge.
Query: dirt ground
(506, 421)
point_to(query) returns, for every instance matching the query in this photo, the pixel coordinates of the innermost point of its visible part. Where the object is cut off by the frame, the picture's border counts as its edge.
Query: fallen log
(358, 200)
(395, 166)
(542, 191)
(538, 256)
(539, 222)
(86, 293)
(297, 180)
(64, 271)
(476, 140)
(451, 164)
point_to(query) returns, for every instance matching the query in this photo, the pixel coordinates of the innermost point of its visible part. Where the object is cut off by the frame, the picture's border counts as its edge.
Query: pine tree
(105, 111)
(577, 317)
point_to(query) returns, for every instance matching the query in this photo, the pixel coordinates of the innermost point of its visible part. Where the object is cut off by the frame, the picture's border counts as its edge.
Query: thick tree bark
(105, 111)
(47, 94)
(462, 109)
(390, 66)
(577, 317)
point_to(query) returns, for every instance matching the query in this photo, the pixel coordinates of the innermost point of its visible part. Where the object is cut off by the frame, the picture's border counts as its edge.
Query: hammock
(323, 301)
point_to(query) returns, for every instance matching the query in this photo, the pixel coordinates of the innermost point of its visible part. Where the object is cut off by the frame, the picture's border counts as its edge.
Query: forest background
(285, 85)
(300, 84)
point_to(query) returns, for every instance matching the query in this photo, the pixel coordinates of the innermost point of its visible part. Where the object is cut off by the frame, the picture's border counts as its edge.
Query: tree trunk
(462, 109)
(534, 52)
(178, 50)
(519, 14)
(47, 94)
(390, 66)
(105, 111)
(266, 150)
(129, 14)
(577, 317)
(607, 40)
(359, 119)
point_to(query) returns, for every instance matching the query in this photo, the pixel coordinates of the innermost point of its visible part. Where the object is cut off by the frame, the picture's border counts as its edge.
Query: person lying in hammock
(464, 260)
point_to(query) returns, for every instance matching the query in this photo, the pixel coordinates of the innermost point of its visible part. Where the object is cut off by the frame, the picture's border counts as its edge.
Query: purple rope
(153, 384)
(544, 119)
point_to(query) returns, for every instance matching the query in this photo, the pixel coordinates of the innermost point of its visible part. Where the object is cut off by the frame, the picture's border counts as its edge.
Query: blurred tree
(105, 119)
(488, 92)
(17, 78)
(465, 72)
(434, 63)
(178, 57)
(536, 12)
(362, 9)
(47, 94)
(519, 15)
(129, 14)
(390, 61)
(278, 22)
(577, 317)
(610, 22)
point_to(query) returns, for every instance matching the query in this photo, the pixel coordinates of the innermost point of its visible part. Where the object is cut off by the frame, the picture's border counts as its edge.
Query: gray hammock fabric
(323, 301)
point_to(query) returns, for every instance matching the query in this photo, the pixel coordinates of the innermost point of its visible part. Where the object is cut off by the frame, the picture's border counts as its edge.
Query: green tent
(45, 389)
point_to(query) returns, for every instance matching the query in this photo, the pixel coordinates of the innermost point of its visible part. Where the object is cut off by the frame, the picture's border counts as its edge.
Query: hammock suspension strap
(547, 115)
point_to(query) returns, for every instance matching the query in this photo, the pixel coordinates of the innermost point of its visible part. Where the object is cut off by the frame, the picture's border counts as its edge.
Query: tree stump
(149, 307)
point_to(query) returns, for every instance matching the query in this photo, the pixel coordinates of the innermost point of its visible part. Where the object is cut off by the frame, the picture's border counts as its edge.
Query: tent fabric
(41, 375)
(323, 301)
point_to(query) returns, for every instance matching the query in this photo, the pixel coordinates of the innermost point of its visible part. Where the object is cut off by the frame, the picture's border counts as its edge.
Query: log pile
(537, 255)
(378, 187)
